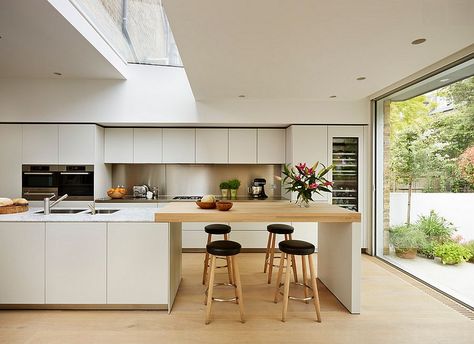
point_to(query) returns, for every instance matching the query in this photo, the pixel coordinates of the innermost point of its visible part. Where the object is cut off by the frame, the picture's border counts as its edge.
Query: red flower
(310, 170)
(297, 177)
(328, 183)
(313, 186)
(301, 167)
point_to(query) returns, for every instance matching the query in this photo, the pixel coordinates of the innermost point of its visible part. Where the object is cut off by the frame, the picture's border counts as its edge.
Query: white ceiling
(312, 49)
(38, 41)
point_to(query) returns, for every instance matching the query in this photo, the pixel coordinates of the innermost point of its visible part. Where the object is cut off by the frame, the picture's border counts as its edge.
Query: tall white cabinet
(40, 144)
(76, 144)
(10, 160)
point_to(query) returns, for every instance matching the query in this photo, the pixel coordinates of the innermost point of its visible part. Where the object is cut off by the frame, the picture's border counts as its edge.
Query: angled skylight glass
(137, 30)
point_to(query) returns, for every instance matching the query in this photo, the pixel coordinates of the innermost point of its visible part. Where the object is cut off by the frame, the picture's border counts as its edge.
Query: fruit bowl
(224, 205)
(206, 205)
(116, 193)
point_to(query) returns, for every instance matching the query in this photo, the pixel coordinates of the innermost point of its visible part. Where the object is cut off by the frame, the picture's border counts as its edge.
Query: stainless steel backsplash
(179, 179)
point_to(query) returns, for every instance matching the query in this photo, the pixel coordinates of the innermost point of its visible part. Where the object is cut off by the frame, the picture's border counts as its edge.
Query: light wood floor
(393, 311)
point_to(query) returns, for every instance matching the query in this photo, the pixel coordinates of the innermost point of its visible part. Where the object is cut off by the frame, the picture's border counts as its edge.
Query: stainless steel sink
(62, 211)
(105, 211)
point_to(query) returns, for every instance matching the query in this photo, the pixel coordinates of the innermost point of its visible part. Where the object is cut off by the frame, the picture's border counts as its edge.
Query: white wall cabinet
(22, 262)
(242, 146)
(40, 144)
(212, 146)
(10, 160)
(77, 144)
(119, 145)
(147, 145)
(271, 146)
(137, 263)
(76, 263)
(179, 145)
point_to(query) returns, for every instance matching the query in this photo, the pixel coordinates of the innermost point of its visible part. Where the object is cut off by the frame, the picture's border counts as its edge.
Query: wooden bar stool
(230, 250)
(305, 250)
(273, 230)
(216, 229)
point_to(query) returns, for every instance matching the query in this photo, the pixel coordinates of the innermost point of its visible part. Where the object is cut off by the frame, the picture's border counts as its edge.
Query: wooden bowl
(116, 194)
(13, 209)
(206, 205)
(224, 205)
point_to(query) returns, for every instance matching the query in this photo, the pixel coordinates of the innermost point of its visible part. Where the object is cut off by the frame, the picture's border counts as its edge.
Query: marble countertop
(123, 215)
(168, 199)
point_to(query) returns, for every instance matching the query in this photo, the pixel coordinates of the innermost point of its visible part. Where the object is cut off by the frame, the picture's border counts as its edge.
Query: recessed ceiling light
(360, 78)
(332, 96)
(418, 41)
(57, 73)
(444, 80)
(242, 96)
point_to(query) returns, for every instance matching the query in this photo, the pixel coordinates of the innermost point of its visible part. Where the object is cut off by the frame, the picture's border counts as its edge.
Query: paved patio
(455, 280)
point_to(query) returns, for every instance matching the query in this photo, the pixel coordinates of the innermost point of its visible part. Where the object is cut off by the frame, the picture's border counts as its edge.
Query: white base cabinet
(22, 263)
(137, 263)
(76, 263)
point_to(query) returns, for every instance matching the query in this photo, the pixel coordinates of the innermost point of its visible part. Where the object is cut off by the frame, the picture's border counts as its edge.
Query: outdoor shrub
(407, 236)
(452, 253)
(470, 246)
(437, 230)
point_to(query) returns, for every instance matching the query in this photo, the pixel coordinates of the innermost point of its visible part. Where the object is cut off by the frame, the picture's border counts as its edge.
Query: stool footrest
(220, 299)
(304, 299)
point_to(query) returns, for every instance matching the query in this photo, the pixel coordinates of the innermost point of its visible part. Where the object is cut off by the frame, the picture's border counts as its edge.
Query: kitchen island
(338, 238)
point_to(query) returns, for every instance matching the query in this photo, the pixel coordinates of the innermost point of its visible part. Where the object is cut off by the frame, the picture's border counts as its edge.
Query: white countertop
(123, 215)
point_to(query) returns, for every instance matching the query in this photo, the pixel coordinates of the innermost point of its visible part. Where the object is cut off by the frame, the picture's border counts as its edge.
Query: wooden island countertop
(256, 212)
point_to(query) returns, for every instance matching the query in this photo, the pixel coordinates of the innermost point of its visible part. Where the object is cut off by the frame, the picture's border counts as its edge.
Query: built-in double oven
(40, 181)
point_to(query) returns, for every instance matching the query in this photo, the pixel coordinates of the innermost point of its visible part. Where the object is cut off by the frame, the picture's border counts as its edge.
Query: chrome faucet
(92, 208)
(48, 205)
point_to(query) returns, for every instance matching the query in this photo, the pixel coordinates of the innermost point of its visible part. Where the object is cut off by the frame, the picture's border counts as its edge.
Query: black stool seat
(223, 248)
(297, 247)
(279, 228)
(217, 228)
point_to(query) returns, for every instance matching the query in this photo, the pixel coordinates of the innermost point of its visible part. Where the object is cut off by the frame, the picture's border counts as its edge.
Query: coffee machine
(257, 189)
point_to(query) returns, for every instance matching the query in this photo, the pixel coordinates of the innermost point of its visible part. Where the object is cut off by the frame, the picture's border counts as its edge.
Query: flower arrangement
(306, 181)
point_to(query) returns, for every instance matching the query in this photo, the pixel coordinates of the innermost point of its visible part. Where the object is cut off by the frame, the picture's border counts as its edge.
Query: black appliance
(77, 181)
(39, 181)
(193, 198)
(258, 188)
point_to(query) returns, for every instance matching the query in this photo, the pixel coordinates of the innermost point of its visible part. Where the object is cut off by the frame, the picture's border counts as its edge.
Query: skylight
(137, 30)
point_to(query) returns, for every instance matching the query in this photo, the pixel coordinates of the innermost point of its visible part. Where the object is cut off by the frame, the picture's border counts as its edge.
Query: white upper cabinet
(212, 146)
(271, 146)
(40, 144)
(242, 146)
(77, 144)
(308, 144)
(118, 145)
(147, 145)
(179, 145)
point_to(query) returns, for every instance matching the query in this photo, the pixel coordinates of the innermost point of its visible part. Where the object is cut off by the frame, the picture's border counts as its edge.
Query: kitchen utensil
(140, 191)
(206, 205)
(224, 205)
(257, 189)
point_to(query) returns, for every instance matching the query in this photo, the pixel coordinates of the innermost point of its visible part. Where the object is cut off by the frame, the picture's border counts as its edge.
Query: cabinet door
(212, 146)
(271, 146)
(76, 263)
(242, 146)
(77, 144)
(148, 145)
(137, 263)
(118, 145)
(21, 262)
(40, 144)
(307, 231)
(179, 145)
(10, 160)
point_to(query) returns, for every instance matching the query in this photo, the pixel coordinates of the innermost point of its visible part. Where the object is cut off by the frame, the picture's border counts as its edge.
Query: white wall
(457, 208)
(158, 95)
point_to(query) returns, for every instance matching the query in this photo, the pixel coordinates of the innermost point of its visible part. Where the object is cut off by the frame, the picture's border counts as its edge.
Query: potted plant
(437, 230)
(234, 184)
(452, 253)
(470, 246)
(224, 186)
(306, 181)
(406, 239)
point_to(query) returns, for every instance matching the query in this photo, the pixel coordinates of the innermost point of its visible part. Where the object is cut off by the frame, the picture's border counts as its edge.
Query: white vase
(225, 193)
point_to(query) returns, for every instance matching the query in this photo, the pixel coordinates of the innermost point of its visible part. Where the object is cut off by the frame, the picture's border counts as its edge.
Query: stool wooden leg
(267, 252)
(280, 273)
(286, 288)
(210, 289)
(315, 288)
(293, 263)
(229, 265)
(305, 276)
(238, 287)
(206, 261)
(272, 255)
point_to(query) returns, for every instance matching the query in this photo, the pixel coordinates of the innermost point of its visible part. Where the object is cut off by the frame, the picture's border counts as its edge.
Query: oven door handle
(76, 173)
(39, 173)
(39, 193)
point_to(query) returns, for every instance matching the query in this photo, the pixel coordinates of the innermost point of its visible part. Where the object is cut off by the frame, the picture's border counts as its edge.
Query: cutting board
(13, 209)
